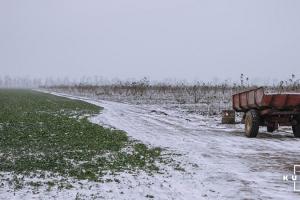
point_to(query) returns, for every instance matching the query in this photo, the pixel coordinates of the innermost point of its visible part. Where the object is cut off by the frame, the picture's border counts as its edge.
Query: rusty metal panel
(257, 99)
(278, 101)
(282, 101)
(293, 100)
(244, 100)
(247, 100)
(259, 95)
(251, 99)
(236, 102)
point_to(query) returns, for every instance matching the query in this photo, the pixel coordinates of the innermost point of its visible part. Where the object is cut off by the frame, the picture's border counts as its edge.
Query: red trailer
(268, 110)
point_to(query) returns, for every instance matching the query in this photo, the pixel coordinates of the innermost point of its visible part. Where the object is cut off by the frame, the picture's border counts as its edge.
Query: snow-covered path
(219, 162)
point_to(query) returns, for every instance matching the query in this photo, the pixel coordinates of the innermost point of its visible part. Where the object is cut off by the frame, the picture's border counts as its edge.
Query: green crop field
(42, 135)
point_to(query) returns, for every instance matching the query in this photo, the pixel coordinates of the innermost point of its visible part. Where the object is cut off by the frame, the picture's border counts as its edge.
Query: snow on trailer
(271, 110)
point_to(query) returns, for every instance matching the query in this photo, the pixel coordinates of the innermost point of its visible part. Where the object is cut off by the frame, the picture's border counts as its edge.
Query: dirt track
(219, 161)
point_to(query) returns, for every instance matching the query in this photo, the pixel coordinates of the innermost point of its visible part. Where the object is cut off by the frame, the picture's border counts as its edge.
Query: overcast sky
(187, 39)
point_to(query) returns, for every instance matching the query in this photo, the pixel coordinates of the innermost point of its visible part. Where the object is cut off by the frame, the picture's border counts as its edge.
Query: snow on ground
(219, 162)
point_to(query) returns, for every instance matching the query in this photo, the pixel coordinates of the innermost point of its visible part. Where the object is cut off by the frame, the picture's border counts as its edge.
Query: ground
(209, 160)
(218, 161)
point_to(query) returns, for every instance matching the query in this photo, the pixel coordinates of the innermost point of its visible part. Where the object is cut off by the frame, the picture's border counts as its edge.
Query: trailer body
(270, 110)
(257, 99)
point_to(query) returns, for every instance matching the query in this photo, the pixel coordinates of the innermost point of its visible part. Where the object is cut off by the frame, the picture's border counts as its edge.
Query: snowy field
(216, 161)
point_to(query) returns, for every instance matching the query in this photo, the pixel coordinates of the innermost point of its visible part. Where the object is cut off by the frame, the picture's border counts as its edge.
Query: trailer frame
(271, 110)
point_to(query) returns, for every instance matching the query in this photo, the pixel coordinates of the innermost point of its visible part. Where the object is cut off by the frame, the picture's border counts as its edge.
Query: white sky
(187, 39)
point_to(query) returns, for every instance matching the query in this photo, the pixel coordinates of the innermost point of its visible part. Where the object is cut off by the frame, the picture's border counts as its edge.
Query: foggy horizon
(27, 81)
(169, 40)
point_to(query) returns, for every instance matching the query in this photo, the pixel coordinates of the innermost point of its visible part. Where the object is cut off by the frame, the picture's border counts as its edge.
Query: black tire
(270, 129)
(296, 130)
(252, 121)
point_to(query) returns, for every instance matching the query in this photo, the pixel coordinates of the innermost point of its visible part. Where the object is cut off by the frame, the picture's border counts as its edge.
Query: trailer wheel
(296, 130)
(252, 121)
(270, 129)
